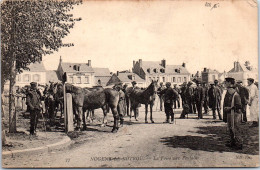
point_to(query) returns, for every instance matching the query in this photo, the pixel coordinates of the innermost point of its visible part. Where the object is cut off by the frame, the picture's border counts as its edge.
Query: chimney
(205, 69)
(140, 62)
(235, 66)
(133, 63)
(183, 64)
(163, 63)
(60, 59)
(89, 63)
(117, 73)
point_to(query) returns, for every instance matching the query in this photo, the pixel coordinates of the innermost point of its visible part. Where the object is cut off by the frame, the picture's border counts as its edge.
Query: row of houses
(143, 72)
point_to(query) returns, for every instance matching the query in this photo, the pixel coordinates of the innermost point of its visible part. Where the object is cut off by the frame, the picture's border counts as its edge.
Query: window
(86, 79)
(155, 70)
(26, 78)
(18, 78)
(71, 79)
(36, 77)
(78, 80)
(213, 77)
(163, 79)
(148, 70)
(185, 79)
(173, 79)
(179, 79)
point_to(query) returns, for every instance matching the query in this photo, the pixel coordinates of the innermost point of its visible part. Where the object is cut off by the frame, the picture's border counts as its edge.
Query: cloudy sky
(114, 33)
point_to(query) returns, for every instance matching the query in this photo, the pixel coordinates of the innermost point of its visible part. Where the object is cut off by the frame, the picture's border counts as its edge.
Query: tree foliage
(33, 28)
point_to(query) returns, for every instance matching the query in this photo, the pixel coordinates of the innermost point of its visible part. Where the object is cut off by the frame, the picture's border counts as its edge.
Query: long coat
(253, 101)
(33, 100)
(215, 96)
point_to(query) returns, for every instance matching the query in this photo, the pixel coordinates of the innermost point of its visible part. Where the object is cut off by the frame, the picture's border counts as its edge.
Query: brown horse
(85, 99)
(146, 97)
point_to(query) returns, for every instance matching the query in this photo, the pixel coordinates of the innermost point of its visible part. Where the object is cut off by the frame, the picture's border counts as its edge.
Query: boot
(167, 120)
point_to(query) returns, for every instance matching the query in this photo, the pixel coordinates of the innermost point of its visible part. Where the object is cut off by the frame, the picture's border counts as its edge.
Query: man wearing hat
(232, 114)
(121, 104)
(161, 88)
(205, 104)
(169, 96)
(244, 95)
(33, 101)
(182, 93)
(177, 100)
(189, 96)
(253, 102)
(199, 96)
(215, 96)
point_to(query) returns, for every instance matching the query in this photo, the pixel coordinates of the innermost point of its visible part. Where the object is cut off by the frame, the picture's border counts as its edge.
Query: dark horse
(85, 99)
(146, 97)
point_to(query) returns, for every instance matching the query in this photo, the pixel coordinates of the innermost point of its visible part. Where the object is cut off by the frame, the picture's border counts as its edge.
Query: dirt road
(186, 143)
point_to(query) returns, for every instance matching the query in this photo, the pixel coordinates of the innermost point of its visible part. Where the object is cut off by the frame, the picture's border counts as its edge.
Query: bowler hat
(134, 82)
(239, 81)
(33, 84)
(251, 79)
(215, 81)
(230, 79)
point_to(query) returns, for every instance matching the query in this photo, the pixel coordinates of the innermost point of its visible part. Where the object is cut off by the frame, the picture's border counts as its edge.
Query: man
(215, 96)
(199, 97)
(244, 95)
(189, 96)
(253, 102)
(169, 96)
(205, 104)
(161, 88)
(177, 100)
(137, 109)
(33, 101)
(232, 110)
(126, 99)
(121, 104)
(182, 92)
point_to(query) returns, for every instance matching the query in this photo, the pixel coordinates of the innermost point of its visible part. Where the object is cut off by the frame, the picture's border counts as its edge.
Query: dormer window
(155, 70)
(162, 70)
(76, 67)
(148, 70)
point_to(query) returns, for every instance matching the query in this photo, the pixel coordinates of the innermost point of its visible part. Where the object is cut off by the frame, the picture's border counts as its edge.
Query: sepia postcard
(129, 84)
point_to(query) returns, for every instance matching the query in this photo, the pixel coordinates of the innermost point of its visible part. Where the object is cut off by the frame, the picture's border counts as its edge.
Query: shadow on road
(213, 139)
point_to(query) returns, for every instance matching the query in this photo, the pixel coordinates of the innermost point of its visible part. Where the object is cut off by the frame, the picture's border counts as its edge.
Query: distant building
(222, 76)
(37, 73)
(196, 76)
(78, 74)
(126, 78)
(102, 76)
(158, 70)
(209, 75)
(243, 72)
(53, 76)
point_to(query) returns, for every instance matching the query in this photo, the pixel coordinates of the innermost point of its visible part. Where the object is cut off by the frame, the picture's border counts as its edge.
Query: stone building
(102, 76)
(209, 75)
(159, 70)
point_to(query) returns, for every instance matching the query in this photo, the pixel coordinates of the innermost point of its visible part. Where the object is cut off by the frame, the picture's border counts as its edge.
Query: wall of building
(27, 77)
(174, 79)
(81, 79)
(243, 76)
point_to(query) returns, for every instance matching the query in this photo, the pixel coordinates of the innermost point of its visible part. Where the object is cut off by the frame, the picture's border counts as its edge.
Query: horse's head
(153, 87)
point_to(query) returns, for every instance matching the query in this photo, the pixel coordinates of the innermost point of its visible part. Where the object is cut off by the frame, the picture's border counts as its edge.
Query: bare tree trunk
(12, 110)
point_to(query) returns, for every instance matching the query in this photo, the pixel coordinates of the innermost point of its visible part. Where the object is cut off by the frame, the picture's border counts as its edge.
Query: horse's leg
(104, 123)
(146, 111)
(84, 120)
(80, 115)
(116, 119)
(151, 113)
(93, 115)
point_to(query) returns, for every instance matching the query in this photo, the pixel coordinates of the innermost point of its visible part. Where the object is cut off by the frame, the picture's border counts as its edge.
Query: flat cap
(239, 81)
(33, 83)
(134, 82)
(230, 79)
(251, 79)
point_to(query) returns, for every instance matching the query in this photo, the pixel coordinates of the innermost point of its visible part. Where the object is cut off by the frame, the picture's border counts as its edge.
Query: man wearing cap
(189, 96)
(182, 92)
(244, 95)
(205, 104)
(161, 88)
(232, 111)
(33, 101)
(215, 96)
(253, 101)
(177, 100)
(169, 96)
(199, 96)
(121, 104)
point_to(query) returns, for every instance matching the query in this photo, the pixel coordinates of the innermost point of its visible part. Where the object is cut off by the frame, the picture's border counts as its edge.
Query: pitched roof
(211, 71)
(170, 69)
(241, 68)
(53, 76)
(101, 72)
(104, 80)
(37, 67)
(69, 67)
(128, 77)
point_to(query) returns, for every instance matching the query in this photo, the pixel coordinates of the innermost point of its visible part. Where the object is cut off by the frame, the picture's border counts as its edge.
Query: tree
(31, 29)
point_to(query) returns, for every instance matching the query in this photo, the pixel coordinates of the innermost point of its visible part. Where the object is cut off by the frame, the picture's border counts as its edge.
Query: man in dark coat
(33, 101)
(177, 100)
(244, 95)
(189, 96)
(232, 111)
(169, 96)
(161, 88)
(215, 96)
(182, 92)
(199, 97)
(205, 105)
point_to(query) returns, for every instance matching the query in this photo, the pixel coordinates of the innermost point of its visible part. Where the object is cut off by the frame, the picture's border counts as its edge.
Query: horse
(144, 96)
(85, 99)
